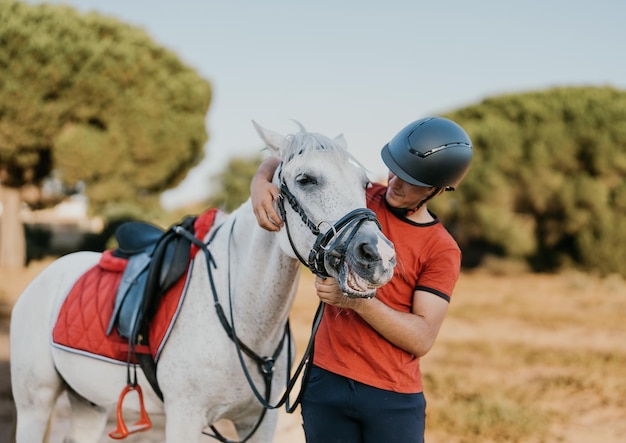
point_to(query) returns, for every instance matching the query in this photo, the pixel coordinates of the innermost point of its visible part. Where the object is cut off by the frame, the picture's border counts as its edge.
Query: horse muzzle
(362, 264)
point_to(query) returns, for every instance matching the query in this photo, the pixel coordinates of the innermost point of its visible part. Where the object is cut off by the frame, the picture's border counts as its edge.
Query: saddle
(157, 259)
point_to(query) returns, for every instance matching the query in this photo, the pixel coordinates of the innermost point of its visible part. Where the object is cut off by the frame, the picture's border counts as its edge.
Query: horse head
(323, 205)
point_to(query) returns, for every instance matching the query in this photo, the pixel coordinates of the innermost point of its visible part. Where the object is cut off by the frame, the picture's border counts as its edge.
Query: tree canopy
(233, 184)
(98, 102)
(548, 181)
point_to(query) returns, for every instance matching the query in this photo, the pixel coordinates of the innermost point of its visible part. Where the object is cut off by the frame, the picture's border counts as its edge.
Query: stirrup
(143, 424)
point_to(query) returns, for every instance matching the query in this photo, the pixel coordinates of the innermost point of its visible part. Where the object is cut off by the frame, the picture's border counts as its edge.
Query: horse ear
(341, 141)
(272, 139)
(300, 126)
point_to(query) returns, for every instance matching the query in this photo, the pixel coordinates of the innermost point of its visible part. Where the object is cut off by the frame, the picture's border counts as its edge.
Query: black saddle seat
(157, 259)
(134, 237)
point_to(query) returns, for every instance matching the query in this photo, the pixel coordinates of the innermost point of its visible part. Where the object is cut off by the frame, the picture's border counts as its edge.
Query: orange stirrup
(143, 424)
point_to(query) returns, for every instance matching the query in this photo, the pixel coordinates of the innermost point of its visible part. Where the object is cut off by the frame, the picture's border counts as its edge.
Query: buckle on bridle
(325, 236)
(266, 367)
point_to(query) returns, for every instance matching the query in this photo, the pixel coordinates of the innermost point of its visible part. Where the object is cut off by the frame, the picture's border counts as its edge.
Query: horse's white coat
(198, 372)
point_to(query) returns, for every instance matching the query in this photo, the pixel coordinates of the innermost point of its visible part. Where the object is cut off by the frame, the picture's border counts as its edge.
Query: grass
(489, 416)
(529, 359)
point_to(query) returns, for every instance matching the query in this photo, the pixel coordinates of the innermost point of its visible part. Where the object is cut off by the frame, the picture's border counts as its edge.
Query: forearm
(413, 332)
(263, 194)
(406, 330)
(266, 170)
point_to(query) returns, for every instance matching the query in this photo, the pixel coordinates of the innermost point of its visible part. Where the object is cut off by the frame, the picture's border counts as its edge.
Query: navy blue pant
(336, 409)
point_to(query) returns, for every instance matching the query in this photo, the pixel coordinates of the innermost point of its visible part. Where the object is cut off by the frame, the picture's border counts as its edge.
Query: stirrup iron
(143, 424)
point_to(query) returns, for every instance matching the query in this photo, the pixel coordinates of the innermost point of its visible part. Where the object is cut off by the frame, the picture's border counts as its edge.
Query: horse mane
(305, 143)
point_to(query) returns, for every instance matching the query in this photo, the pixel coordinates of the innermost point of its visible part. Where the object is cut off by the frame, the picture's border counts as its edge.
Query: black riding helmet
(432, 151)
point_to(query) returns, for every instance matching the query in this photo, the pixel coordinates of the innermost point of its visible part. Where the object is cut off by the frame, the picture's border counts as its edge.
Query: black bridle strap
(315, 261)
(316, 256)
(268, 373)
(265, 364)
(305, 219)
(218, 306)
(348, 223)
(286, 193)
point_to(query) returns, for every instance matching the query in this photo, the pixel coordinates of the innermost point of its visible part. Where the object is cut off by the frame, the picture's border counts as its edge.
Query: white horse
(199, 371)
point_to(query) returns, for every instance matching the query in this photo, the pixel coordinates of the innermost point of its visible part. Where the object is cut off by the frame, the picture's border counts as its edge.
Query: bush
(547, 183)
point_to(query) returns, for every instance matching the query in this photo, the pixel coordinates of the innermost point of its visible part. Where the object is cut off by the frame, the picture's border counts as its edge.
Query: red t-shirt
(428, 259)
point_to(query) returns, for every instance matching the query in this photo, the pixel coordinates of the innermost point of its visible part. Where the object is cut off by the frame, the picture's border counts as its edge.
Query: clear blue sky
(367, 68)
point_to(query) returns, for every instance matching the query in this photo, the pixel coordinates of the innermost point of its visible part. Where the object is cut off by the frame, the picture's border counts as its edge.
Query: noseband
(351, 222)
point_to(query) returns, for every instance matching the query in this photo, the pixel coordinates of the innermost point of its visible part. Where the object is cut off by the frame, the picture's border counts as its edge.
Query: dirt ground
(547, 350)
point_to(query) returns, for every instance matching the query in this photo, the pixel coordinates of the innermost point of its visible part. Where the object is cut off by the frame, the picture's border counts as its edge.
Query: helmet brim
(397, 170)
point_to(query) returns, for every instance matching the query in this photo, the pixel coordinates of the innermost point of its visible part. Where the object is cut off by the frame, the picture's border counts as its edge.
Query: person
(365, 383)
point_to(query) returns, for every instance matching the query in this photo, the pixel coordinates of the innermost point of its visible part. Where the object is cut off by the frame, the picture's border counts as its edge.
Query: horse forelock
(306, 144)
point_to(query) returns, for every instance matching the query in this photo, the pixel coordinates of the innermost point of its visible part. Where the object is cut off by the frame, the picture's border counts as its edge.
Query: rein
(347, 225)
(265, 364)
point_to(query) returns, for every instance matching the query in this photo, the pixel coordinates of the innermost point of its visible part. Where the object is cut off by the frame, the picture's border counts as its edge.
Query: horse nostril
(368, 252)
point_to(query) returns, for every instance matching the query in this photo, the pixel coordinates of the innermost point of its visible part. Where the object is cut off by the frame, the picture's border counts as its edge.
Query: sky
(366, 68)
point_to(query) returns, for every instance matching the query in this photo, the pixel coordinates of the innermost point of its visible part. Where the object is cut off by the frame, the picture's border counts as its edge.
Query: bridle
(349, 224)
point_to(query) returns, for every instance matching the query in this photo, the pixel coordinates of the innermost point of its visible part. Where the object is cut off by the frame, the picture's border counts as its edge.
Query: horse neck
(263, 278)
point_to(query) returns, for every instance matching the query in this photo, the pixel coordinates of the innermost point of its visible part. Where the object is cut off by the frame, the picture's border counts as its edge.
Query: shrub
(547, 183)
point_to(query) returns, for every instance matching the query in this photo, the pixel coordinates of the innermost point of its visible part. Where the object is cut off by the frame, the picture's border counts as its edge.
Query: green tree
(233, 184)
(97, 102)
(548, 181)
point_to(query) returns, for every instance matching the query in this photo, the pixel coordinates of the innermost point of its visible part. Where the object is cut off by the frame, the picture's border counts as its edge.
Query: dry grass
(530, 358)
(520, 358)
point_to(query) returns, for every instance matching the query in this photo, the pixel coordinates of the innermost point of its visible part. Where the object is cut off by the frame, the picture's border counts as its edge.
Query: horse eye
(305, 179)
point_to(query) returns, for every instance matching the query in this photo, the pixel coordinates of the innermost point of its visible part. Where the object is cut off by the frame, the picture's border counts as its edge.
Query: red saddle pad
(86, 312)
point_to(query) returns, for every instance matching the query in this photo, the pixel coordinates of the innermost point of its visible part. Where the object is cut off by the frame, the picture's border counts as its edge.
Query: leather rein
(347, 225)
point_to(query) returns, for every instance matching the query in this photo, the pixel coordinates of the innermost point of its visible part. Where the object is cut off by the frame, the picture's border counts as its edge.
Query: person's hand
(329, 292)
(263, 194)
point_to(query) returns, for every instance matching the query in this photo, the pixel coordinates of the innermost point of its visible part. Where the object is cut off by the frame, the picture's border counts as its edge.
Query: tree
(548, 182)
(233, 184)
(97, 102)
